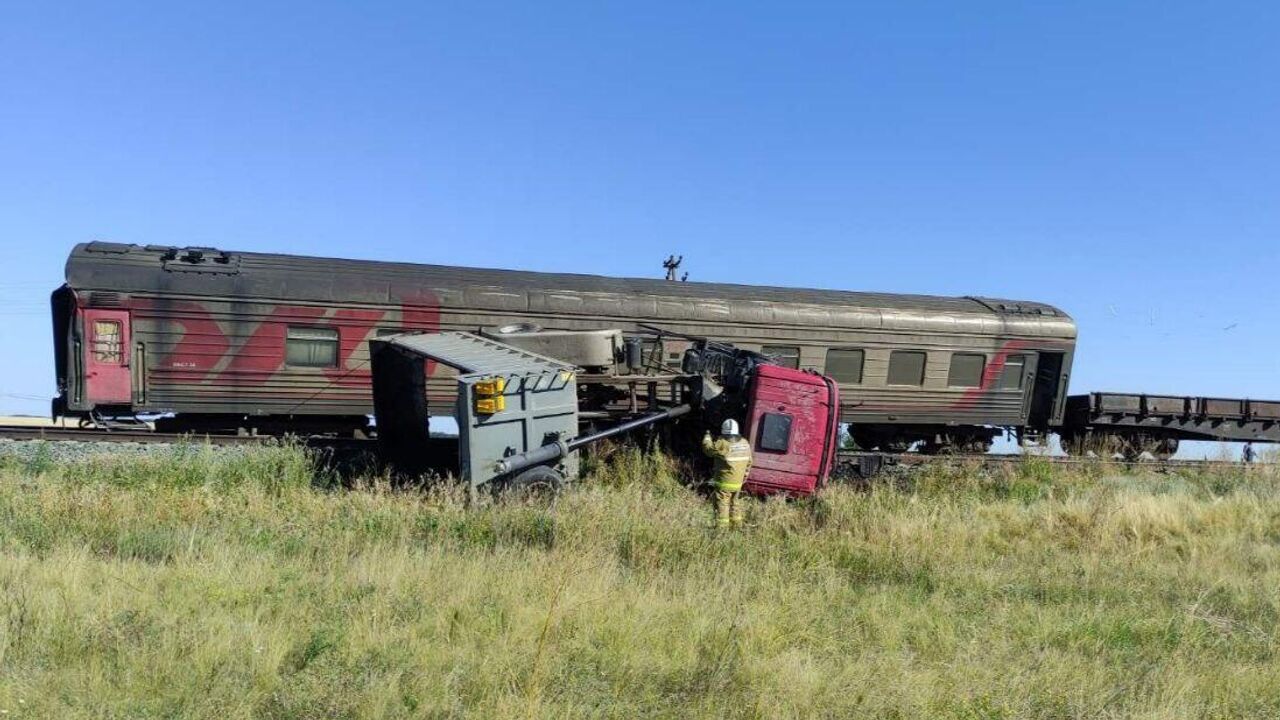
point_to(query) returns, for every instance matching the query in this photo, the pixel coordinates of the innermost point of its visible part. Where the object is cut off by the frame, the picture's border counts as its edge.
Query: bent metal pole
(560, 448)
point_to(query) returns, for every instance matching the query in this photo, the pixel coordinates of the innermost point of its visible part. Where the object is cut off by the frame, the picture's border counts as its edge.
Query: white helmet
(729, 427)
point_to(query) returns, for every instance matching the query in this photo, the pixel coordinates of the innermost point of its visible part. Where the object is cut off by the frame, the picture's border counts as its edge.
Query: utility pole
(672, 264)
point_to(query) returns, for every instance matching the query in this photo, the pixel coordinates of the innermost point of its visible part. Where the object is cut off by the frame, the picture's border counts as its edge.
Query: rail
(61, 434)
(913, 459)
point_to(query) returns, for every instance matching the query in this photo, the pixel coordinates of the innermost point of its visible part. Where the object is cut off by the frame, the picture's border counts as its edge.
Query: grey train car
(273, 343)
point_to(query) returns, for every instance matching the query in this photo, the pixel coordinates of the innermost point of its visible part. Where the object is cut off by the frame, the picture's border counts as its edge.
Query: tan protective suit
(732, 457)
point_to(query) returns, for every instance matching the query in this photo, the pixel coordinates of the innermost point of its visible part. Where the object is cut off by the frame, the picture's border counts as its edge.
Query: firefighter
(732, 455)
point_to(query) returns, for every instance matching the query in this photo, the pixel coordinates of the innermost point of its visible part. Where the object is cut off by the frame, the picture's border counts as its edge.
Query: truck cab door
(107, 378)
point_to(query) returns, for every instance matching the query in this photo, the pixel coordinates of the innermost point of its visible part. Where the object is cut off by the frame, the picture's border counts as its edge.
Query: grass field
(241, 584)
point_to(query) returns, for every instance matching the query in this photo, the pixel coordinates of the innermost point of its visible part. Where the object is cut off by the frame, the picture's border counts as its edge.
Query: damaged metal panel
(509, 401)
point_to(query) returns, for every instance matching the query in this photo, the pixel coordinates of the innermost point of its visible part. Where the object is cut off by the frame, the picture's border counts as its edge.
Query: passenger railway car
(272, 343)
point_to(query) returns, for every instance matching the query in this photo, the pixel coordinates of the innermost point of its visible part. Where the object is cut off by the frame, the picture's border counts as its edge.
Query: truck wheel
(536, 482)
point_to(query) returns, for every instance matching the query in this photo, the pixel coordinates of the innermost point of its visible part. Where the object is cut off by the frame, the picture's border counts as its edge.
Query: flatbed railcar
(1134, 423)
(224, 340)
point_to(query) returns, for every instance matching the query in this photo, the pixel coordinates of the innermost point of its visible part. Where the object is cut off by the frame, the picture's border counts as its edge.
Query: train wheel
(1086, 443)
(1133, 447)
(863, 439)
(1071, 444)
(1165, 448)
(978, 447)
(930, 447)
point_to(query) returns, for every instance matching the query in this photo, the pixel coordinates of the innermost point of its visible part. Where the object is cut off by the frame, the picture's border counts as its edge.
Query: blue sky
(1120, 160)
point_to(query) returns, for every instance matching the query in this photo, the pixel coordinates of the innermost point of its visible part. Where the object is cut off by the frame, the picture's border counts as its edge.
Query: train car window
(966, 370)
(311, 347)
(775, 432)
(1014, 368)
(783, 355)
(106, 345)
(845, 366)
(906, 367)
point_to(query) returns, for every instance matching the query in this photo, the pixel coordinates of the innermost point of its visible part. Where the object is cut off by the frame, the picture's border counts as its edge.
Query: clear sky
(1120, 160)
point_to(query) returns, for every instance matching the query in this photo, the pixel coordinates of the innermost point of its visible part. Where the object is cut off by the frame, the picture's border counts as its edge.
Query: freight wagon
(235, 341)
(1131, 424)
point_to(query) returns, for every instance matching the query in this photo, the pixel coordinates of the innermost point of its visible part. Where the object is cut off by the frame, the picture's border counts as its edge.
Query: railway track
(870, 461)
(915, 459)
(98, 435)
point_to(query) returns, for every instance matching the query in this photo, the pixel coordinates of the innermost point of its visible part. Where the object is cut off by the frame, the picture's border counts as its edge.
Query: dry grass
(203, 585)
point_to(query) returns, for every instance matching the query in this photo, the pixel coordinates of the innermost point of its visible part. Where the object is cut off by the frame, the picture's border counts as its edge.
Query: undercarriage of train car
(929, 440)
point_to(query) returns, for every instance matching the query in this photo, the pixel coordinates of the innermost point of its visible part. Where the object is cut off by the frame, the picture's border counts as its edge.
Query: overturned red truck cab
(793, 425)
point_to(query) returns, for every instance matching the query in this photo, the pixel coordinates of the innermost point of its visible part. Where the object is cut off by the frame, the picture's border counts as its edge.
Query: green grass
(239, 585)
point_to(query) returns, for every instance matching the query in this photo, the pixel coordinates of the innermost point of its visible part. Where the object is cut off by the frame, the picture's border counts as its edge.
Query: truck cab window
(775, 432)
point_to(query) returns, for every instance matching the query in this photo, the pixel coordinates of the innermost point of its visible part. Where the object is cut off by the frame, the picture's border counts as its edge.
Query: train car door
(106, 357)
(1045, 390)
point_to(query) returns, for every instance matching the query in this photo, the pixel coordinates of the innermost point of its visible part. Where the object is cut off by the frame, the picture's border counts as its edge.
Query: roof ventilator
(99, 298)
(200, 260)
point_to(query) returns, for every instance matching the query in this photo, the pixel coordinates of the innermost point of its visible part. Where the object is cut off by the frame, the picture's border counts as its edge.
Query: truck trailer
(520, 419)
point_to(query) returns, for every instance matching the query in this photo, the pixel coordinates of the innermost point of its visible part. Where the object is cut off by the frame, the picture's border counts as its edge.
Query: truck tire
(538, 481)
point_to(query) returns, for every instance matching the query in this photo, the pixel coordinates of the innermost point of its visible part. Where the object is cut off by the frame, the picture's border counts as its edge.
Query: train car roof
(208, 272)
